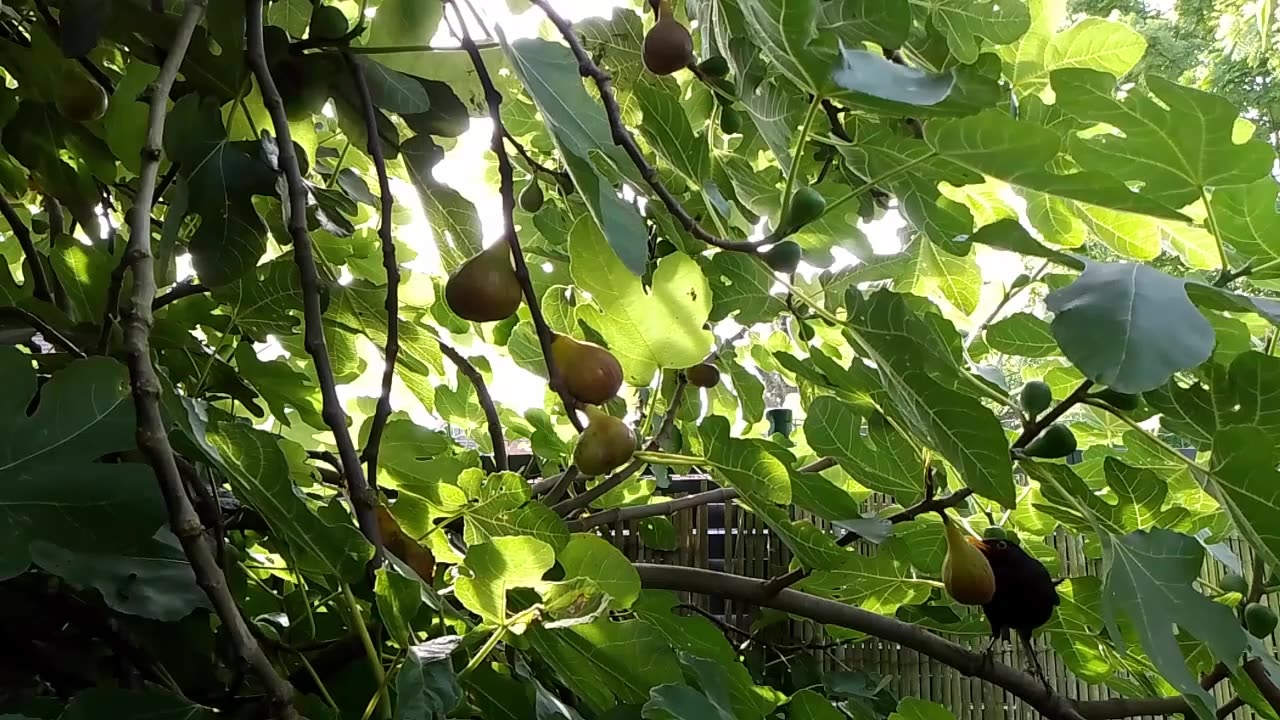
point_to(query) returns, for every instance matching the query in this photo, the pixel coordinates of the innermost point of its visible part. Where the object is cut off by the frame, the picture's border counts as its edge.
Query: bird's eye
(1002, 545)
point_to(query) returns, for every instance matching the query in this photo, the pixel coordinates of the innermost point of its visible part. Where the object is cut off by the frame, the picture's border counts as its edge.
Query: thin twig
(531, 161)
(392, 305)
(564, 481)
(152, 437)
(112, 306)
(486, 404)
(304, 257)
(506, 174)
(39, 285)
(929, 504)
(622, 138)
(52, 336)
(1009, 295)
(183, 289)
(576, 502)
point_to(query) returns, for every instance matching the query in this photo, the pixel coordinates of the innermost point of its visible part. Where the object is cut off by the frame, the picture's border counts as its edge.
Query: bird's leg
(988, 655)
(1034, 660)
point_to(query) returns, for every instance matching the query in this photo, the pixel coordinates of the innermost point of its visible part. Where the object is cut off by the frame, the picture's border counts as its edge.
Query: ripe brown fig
(606, 444)
(966, 572)
(484, 288)
(703, 375)
(591, 375)
(668, 47)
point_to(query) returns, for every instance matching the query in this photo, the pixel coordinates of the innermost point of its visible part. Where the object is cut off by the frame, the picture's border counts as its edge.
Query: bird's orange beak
(976, 542)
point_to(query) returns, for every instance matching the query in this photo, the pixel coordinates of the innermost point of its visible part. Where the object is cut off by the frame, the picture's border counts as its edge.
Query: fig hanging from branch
(668, 47)
(591, 375)
(485, 287)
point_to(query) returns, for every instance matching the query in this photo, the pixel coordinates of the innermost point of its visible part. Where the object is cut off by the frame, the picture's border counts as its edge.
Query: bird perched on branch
(1024, 599)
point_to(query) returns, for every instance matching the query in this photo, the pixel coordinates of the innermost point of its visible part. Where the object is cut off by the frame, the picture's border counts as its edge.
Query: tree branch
(1258, 674)
(822, 610)
(304, 257)
(389, 263)
(586, 498)
(1035, 427)
(622, 138)
(927, 505)
(152, 435)
(179, 291)
(52, 336)
(532, 162)
(39, 285)
(486, 403)
(506, 173)
(636, 512)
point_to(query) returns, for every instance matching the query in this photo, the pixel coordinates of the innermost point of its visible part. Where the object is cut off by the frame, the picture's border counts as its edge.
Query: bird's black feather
(1025, 594)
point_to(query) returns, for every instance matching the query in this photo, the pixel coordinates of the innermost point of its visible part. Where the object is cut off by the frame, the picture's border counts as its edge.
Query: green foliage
(999, 233)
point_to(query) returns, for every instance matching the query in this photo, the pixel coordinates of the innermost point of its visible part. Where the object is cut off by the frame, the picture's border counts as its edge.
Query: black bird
(1024, 599)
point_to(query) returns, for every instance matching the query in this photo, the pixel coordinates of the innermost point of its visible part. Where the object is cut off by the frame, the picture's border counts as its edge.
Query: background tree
(272, 323)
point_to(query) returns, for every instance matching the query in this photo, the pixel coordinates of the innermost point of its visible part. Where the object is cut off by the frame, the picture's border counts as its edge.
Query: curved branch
(304, 257)
(39, 285)
(830, 612)
(927, 505)
(636, 512)
(507, 187)
(486, 403)
(389, 263)
(179, 291)
(152, 435)
(52, 336)
(623, 138)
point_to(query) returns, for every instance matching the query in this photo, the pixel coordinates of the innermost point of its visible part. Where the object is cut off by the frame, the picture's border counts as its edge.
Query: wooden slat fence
(724, 537)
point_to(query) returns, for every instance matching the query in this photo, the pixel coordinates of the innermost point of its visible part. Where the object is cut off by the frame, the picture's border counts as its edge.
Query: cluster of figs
(485, 288)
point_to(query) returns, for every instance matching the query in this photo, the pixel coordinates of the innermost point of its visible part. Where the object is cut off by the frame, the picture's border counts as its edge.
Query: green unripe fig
(994, 532)
(485, 287)
(1260, 620)
(1036, 397)
(1123, 402)
(1057, 441)
(730, 121)
(1021, 281)
(664, 248)
(806, 206)
(328, 23)
(606, 444)
(667, 46)
(78, 97)
(1012, 537)
(783, 257)
(1232, 582)
(715, 66)
(703, 375)
(531, 197)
